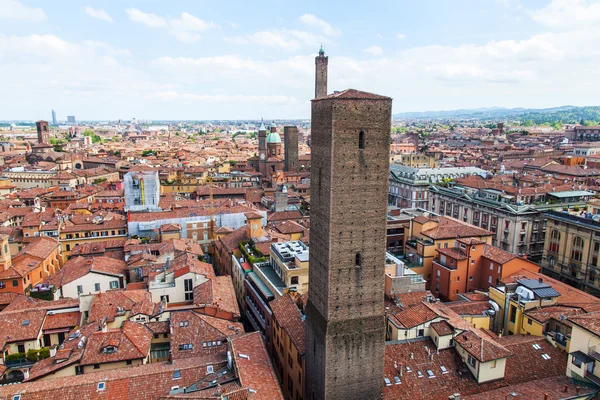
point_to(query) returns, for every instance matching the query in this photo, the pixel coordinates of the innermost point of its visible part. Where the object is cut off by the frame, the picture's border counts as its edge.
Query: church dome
(273, 137)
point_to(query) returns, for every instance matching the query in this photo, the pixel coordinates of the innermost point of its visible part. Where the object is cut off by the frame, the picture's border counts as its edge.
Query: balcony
(589, 375)
(445, 265)
(23, 362)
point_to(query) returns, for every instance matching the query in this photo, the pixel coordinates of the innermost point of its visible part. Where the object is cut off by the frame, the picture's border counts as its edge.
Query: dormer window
(109, 349)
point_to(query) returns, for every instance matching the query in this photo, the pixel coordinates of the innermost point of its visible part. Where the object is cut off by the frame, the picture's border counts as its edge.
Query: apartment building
(572, 250)
(408, 186)
(473, 265)
(431, 233)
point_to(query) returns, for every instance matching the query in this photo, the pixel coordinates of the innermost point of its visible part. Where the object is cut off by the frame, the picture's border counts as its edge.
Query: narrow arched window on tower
(361, 140)
(358, 260)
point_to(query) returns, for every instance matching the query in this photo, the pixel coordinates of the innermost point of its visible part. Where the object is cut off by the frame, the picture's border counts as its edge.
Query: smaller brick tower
(321, 62)
(262, 149)
(43, 132)
(290, 149)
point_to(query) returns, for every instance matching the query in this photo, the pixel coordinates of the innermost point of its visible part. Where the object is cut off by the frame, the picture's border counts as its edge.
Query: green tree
(147, 153)
(445, 182)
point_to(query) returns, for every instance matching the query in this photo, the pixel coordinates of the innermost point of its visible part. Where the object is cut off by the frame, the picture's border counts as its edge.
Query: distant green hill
(564, 114)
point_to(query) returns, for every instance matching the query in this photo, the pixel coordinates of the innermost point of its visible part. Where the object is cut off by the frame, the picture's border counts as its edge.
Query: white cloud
(566, 14)
(97, 80)
(313, 21)
(98, 14)
(107, 48)
(149, 19)
(173, 95)
(401, 36)
(374, 51)
(186, 28)
(284, 39)
(15, 10)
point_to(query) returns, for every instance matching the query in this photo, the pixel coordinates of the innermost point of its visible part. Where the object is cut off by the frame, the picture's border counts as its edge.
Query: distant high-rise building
(71, 120)
(54, 122)
(290, 148)
(345, 336)
(43, 132)
(321, 62)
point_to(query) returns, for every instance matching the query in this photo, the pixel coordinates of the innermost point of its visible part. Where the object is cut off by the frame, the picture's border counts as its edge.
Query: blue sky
(245, 60)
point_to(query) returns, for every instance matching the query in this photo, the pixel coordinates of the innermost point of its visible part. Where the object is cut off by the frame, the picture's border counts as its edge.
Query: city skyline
(187, 61)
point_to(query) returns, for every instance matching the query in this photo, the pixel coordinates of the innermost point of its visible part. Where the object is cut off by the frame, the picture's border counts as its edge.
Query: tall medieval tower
(262, 149)
(321, 62)
(290, 148)
(43, 132)
(345, 337)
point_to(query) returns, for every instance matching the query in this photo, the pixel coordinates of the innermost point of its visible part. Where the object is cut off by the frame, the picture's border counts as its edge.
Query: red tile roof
(132, 342)
(352, 94)
(443, 328)
(145, 382)
(590, 322)
(195, 329)
(66, 320)
(219, 292)
(479, 347)
(78, 267)
(413, 316)
(450, 228)
(20, 326)
(469, 307)
(498, 255)
(255, 372)
(569, 296)
(289, 317)
(552, 388)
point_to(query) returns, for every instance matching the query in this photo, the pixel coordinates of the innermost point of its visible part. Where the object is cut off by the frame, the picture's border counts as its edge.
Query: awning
(581, 356)
(58, 330)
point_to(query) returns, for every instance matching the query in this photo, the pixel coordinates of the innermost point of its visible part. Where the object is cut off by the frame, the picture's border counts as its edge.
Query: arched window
(358, 260)
(555, 241)
(361, 140)
(577, 249)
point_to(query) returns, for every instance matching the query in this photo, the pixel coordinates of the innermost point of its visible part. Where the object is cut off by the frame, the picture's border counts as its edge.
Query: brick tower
(290, 148)
(43, 132)
(262, 149)
(321, 62)
(345, 334)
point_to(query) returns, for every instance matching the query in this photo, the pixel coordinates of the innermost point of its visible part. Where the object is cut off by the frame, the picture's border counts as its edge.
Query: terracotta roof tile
(67, 320)
(255, 371)
(289, 317)
(352, 94)
(132, 342)
(569, 296)
(479, 347)
(443, 328)
(414, 316)
(78, 267)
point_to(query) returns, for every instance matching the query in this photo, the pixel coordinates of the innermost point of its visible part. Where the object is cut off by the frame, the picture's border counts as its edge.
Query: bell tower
(43, 132)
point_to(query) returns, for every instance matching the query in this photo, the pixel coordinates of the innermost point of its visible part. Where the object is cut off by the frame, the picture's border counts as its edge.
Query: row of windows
(95, 234)
(97, 286)
(15, 283)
